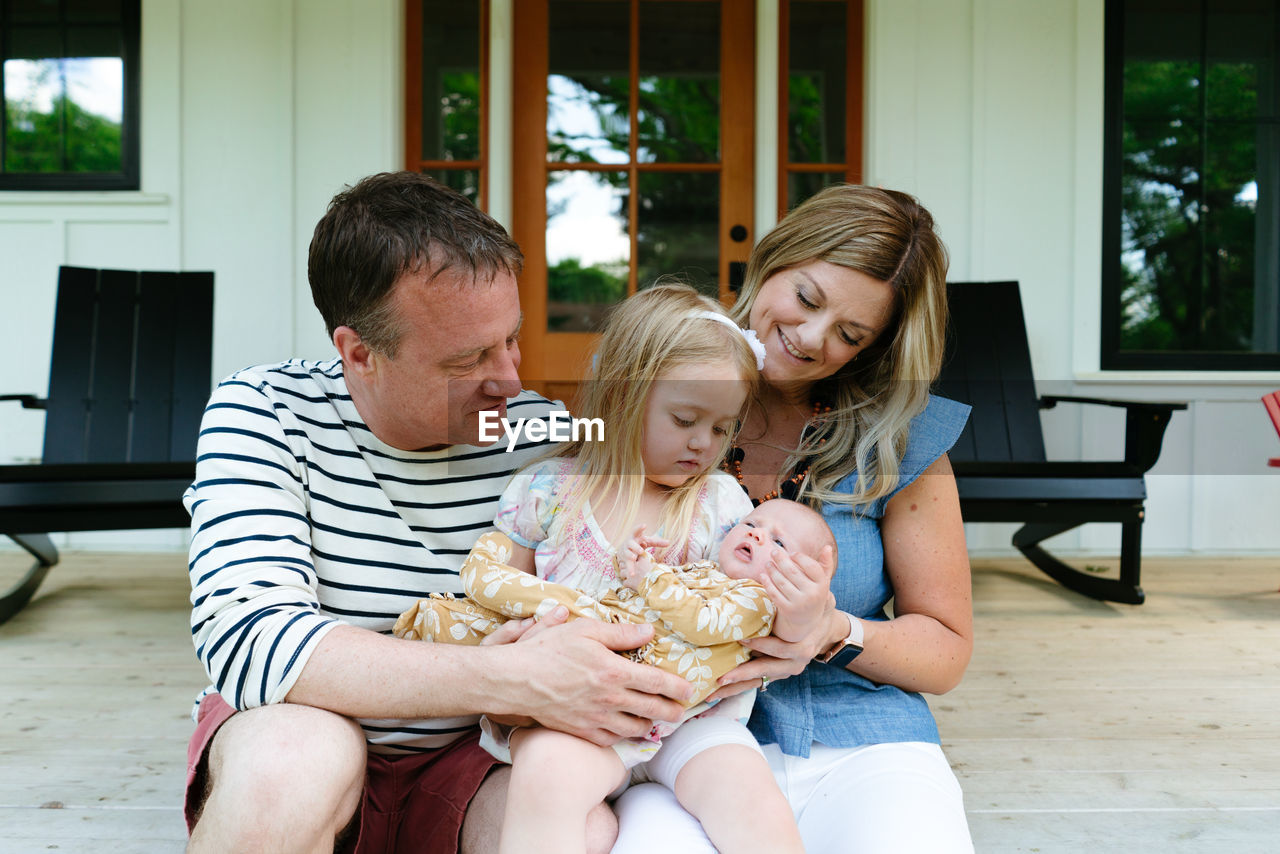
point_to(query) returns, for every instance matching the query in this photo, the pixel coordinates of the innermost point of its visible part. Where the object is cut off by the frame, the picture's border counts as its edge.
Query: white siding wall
(256, 111)
(991, 112)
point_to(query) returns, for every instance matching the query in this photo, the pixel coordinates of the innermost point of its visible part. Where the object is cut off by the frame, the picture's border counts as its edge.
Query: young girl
(670, 380)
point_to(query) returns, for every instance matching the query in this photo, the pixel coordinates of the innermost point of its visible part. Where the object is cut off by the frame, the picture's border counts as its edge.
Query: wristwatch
(845, 650)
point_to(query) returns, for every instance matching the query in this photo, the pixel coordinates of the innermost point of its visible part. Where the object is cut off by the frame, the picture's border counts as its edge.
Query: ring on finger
(764, 684)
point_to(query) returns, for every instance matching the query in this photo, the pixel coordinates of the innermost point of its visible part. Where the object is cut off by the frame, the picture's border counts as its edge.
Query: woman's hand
(800, 588)
(774, 658)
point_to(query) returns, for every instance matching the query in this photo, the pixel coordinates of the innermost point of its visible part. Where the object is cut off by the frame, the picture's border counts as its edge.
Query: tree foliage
(64, 137)
(1190, 153)
(678, 121)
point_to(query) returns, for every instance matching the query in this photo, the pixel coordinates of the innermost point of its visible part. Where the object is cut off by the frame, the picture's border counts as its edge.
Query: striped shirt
(303, 520)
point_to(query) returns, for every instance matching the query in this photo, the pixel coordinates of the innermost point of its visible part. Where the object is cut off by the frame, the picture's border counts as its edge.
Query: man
(331, 495)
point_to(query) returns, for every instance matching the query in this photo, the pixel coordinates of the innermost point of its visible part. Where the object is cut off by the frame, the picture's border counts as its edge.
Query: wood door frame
(541, 350)
(413, 104)
(855, 81)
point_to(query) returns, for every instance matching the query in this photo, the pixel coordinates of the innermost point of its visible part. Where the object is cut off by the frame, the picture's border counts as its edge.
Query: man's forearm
(566, 677)
(359, 673)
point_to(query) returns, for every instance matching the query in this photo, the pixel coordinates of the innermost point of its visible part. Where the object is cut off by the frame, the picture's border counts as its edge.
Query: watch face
(847, 653)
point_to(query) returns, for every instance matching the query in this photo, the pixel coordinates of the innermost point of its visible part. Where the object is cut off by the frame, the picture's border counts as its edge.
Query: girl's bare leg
(557, 780)
(730, 789)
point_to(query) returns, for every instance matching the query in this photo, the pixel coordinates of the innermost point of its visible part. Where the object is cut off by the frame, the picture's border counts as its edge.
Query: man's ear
(356, 356)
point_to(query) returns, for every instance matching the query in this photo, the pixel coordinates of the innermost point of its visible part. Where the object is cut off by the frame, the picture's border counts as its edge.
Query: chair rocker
(1001, 470)
(128, 382)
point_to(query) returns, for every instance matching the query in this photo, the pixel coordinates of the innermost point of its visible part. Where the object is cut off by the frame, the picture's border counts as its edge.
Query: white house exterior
(254, 112)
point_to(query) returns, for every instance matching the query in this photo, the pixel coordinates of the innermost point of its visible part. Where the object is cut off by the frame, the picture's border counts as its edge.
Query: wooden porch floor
(1080, 726)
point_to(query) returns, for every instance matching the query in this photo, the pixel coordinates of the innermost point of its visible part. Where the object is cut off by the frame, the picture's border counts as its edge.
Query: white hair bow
(753, 340)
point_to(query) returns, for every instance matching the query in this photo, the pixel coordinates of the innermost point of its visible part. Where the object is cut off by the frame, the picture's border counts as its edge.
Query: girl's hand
(635, 558)
(800, 588)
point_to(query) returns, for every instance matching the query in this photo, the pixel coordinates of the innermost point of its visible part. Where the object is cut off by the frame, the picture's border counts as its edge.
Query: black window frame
(129, 175)
(1111, 357)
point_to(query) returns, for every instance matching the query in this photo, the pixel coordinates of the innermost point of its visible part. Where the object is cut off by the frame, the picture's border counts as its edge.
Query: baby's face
(746, 549)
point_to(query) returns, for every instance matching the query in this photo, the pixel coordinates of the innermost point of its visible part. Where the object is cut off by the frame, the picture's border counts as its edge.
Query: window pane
(816, 75)
(678, 223)
(679, 97)
(93, 11)
(33, 123)
(63, 115)
(588, 251)
(33, 11)
(451, 80)
(465, 181)
(1230, 197)
(34, 43)
(802, 185)
(1199, 215)
(1161, 29)
(1161, 246)
(1241, 46)
(588, 83)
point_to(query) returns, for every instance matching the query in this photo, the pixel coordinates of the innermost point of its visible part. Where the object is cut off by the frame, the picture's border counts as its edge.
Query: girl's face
(688, 417)
(814, 318)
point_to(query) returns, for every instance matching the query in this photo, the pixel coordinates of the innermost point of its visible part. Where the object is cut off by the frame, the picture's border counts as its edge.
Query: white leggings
(897, 798)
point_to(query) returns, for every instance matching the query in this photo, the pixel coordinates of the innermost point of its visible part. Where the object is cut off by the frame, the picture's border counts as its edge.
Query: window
(69, 77)
(820, 99)
(1191, 241)
(446, 127)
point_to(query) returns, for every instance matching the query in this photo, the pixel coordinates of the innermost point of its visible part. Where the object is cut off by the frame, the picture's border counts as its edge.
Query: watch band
(846, 650)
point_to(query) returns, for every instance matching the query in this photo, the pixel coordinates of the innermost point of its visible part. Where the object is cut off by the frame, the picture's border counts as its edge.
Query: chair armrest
(1049, 401)
(29, 401)
(1145, 423)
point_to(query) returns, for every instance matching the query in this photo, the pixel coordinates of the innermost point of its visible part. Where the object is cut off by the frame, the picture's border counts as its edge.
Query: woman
(848, 295)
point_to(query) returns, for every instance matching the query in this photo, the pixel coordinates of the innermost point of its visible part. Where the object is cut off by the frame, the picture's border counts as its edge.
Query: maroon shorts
(410, 803)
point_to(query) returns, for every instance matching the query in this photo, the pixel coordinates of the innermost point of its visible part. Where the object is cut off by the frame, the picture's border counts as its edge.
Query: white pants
(896, 798)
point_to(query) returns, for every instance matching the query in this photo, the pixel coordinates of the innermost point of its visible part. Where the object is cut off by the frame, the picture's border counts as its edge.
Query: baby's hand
(634, 558)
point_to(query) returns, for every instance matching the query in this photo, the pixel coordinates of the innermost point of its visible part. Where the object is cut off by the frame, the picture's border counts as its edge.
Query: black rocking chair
(1001, 471)
(129, 378)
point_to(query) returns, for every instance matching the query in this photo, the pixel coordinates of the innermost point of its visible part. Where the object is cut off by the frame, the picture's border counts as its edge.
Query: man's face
(458, 355)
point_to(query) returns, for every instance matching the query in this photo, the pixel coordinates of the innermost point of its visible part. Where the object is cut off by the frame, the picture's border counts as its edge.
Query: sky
(95, 83)
(589, 228)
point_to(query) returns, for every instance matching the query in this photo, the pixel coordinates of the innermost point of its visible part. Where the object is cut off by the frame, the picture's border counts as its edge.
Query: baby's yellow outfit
(699, 616)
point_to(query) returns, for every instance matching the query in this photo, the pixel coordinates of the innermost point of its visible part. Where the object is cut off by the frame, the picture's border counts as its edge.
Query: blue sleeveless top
(829, 704)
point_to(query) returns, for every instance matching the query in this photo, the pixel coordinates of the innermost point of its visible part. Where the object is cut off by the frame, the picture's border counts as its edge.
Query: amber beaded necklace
(789, 487)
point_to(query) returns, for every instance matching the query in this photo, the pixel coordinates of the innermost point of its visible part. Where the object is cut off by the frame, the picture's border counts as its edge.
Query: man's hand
(569, 678)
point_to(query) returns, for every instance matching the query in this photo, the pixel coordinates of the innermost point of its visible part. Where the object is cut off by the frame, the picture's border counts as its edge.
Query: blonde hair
(890, 237)
(644, 338)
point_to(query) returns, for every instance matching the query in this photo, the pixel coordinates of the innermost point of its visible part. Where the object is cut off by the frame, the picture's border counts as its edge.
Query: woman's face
(814, 318)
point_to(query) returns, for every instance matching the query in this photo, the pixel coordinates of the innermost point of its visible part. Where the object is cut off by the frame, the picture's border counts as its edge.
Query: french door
(633, 155)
